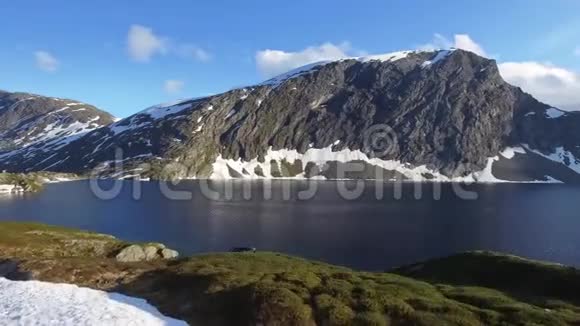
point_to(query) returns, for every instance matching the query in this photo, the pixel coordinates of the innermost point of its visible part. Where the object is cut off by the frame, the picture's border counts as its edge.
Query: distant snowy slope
(40, 303)
(31, 123)
(27, 119)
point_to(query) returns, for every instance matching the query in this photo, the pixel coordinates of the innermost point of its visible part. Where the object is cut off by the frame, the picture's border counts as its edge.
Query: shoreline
(377, 181)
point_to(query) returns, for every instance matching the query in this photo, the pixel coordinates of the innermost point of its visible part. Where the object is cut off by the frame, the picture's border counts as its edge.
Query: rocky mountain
(32, 126)
(421, 115)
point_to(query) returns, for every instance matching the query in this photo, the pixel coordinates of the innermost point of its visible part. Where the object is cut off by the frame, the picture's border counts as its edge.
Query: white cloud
(173, 86)
(201, 54)
(548, 83)
(274, 62)
(193, 51)
(439, 42)
(460, 41)
(143, 43)
(464, 42)
(46, 61)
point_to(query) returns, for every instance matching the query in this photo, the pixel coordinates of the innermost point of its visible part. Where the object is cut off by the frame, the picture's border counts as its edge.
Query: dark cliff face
(448, 111)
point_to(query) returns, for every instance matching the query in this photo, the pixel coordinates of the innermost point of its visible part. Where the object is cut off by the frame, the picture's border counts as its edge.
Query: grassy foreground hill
(476, 288)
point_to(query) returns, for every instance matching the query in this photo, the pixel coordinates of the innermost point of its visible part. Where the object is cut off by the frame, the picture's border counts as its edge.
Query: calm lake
(538, 221)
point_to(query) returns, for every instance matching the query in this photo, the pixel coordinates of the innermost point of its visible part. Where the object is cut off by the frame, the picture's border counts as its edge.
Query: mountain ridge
(451, 113)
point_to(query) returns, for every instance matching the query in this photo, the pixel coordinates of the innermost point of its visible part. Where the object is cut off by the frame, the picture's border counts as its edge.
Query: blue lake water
(531, 220)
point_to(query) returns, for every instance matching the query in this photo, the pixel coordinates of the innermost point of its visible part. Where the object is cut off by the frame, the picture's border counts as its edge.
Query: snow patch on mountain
(120, 127)
(156, 112)
(163, 110)
(510, 152)
(231, 113)
(53, 137)
(553, 113)
(562, 156)
(54, 130)
(223, 168)
(320, 157)
(438, 57)
(278, 80)
(387, 57)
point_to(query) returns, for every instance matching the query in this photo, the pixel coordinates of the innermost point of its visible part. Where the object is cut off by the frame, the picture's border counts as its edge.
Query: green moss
(371, 319)
(509, 273)
(340, 314)
(275, 305)
(258, 171)
(275, 169)
(291, 170)
(39, 240)
(395, 307)
(311, 170)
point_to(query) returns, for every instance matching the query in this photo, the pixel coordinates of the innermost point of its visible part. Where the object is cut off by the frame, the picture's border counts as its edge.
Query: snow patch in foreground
(41, 303)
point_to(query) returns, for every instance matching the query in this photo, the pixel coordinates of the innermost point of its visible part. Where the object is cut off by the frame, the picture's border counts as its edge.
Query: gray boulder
(151, 253)
(169, 254)
(133, 253)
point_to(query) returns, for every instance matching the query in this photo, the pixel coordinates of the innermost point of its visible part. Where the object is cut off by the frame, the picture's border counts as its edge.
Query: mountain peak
(423, 58)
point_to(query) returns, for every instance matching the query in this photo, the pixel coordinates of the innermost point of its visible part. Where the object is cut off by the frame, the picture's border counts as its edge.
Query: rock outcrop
(168, 253)
(137, 253)
(132, 253)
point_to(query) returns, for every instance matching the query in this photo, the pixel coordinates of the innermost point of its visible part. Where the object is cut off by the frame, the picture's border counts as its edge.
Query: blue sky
(123, 56)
